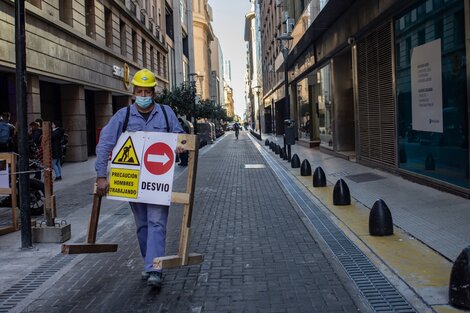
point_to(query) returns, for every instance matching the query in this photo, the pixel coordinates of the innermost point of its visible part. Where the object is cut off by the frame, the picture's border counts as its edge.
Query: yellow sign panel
(127, 155)
(124, 183)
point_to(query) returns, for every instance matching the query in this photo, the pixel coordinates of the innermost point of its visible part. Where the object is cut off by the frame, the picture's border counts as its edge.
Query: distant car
(230, 126)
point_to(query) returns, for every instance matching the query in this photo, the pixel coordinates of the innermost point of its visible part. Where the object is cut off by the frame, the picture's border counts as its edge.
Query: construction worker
(142, 115)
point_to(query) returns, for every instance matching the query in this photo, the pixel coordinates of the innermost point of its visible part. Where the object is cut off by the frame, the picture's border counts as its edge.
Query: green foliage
(180, 99)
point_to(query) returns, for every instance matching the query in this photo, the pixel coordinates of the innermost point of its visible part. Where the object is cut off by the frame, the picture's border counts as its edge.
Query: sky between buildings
(229, 27)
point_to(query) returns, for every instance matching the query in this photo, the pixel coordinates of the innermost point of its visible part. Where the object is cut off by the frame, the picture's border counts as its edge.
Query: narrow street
(259, 256)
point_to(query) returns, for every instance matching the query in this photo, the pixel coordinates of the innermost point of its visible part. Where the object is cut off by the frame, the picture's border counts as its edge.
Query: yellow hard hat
(144, 78)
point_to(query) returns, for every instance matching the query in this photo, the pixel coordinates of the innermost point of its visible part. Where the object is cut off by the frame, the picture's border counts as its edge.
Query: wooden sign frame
(10, 160)
(189, 143)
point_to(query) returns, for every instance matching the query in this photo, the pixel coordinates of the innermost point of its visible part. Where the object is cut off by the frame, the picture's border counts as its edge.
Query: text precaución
(124, 183)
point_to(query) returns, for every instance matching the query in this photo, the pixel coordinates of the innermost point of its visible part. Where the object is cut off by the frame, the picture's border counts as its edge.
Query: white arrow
(158, 158)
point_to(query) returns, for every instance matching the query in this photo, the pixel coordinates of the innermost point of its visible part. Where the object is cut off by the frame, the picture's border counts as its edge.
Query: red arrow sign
(159, 158)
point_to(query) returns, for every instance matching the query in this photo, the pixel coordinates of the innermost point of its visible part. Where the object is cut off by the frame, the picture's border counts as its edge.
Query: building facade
(203, 36)
(384, 84)
(179, 39)
(80, 58)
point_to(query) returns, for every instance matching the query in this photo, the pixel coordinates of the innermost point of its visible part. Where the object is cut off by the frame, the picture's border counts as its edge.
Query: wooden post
(47, 162)
(191, 144)
(90, 246)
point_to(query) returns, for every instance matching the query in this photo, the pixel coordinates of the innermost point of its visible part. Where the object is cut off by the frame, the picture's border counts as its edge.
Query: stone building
(81, 56)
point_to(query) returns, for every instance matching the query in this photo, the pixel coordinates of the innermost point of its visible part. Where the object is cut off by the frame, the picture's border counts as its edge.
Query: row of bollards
(381, 222)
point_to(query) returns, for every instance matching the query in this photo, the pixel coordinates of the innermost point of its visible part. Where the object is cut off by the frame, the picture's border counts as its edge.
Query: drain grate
(381, 295)
(11, 297)
(365, 177)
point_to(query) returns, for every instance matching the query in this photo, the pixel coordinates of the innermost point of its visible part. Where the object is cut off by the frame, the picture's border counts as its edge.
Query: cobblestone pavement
(259, 257)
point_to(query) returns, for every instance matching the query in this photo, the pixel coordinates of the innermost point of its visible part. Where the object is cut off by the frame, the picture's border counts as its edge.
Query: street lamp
(257, 90)
(285, 40)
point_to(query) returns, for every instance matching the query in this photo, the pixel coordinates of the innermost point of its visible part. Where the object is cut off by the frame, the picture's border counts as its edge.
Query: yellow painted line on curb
(423, 269)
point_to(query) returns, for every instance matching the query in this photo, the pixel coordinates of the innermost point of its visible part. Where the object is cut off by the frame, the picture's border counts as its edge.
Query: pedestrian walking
(142, 115)
(6, 133)
(57, 138)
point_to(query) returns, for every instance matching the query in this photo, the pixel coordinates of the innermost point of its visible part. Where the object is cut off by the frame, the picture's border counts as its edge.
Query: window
(108, 26)
(159, 65)
(152, 59)
(144, 53)
(134, 46)
(90, 18)
(36, 3)
(65, 11)
(164, 65)
(123, 37)
(186, 46)
(423, 149)
(169, 23)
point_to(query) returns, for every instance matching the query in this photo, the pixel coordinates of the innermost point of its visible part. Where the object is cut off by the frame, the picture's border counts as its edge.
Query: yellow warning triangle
(127, 155)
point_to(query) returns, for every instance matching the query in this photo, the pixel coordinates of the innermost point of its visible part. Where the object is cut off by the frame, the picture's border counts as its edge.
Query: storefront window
(304, 104)
(314, 107)
(432, 91)
(324, 107)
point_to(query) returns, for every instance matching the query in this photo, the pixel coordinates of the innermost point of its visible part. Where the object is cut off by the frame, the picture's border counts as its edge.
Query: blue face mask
(143, 102)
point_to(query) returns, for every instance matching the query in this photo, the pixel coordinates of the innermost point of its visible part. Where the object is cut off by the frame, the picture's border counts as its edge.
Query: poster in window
(426, 87)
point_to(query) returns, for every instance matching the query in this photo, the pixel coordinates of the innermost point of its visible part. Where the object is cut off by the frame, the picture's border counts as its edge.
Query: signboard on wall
(426, 87)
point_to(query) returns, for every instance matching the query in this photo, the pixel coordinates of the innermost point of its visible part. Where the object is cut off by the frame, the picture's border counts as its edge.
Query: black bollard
(266, 143)
(430, 164)
(459, 291)
(341, 194)
(285, 154)
(402, 156)
(277, 150)
(281, 153)
(295, 163)
(380, 220)
(305, 168)
(319, 178)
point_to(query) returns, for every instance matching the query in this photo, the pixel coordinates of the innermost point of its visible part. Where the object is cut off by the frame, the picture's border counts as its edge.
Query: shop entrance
(343, 98)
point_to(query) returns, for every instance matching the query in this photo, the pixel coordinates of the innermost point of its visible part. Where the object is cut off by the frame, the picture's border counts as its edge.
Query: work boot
(155, 279)
(145, 275)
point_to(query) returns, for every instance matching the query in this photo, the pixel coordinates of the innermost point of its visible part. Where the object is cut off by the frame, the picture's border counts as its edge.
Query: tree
(180, 99)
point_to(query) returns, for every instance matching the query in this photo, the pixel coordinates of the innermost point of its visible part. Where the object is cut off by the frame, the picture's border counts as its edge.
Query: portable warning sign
(142, 167)
(127, 154)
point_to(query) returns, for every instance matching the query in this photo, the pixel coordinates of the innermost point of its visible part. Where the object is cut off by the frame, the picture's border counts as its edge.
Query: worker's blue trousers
(150, 220)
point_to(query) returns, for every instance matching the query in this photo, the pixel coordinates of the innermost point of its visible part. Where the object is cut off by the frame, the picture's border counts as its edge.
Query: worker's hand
(180, 149)
(102, 186)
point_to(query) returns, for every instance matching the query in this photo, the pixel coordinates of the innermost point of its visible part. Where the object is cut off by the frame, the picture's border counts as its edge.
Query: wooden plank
(171, 261)
(188, 142)
(187, 211)
(5, 190)
(7, 230)
(47, 162)
(93, 223)
(180, 197)
(89, 248)
(14, 201)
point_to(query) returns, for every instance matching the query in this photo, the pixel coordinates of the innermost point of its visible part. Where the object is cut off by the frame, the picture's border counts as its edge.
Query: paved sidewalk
(259, 256)
(437, 218)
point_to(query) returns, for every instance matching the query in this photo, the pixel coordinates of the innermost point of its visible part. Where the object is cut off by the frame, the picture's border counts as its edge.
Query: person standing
(57, 137)
(185, 155)
(6, 133)
(142, 115)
